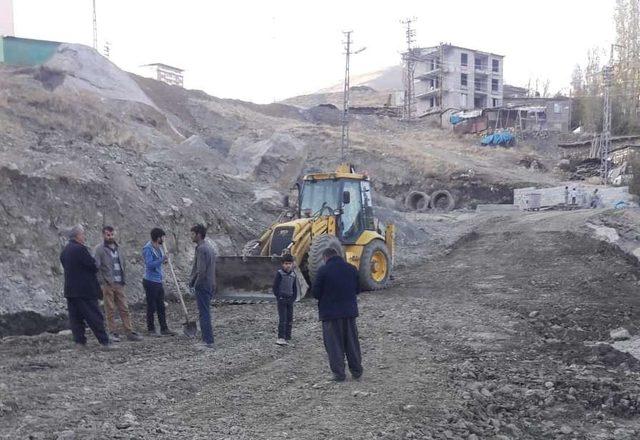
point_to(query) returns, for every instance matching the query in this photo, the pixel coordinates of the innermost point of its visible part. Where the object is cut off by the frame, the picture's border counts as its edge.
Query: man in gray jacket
(203, 280)
(111, 276)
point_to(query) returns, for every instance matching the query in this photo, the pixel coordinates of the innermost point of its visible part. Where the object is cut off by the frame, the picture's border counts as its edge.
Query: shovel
(189, 328)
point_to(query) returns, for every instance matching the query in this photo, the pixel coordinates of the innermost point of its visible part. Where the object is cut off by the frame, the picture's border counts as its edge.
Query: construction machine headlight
(337, 212)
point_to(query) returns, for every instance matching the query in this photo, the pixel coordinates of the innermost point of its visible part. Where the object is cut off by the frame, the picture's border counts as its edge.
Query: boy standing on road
(111, 276)
(285, 289)
(154, 258)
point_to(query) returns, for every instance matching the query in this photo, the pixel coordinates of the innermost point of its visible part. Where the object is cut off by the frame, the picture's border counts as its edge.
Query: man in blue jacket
(336, 287)
(154, 258)
(82, 290)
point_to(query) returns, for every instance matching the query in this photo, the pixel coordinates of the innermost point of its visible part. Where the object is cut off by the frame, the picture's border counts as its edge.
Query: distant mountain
(369, 89)
(384, 80)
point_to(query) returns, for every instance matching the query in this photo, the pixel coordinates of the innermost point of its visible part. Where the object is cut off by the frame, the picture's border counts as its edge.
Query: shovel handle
(175, 280)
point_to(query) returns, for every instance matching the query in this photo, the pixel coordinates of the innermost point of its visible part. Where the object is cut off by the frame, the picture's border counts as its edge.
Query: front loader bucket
(247, 279)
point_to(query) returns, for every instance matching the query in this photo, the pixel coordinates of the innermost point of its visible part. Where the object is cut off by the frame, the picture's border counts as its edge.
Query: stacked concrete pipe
(419, 201)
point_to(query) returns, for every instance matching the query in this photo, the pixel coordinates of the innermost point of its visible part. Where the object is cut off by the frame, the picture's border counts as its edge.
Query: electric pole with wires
(409, 65)
(605, 137)
(95, 27)
(345, 96)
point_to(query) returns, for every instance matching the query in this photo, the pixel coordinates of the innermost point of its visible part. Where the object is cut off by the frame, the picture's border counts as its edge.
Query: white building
(452, 77)
(163, 72)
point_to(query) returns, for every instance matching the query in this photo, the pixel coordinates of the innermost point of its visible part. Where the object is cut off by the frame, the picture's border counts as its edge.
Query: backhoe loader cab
(334, 210)
(346, 198)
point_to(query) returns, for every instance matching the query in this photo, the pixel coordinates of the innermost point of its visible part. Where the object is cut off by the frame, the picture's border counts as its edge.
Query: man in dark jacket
(82, 290)
(203, 281)
(336, 287)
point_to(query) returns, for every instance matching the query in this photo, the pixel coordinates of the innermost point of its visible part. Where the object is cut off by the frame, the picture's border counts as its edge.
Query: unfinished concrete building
(448, 77)
(163, 72)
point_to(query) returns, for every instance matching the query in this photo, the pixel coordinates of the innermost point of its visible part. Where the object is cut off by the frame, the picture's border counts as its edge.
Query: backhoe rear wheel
(375, 266)
(318, 245)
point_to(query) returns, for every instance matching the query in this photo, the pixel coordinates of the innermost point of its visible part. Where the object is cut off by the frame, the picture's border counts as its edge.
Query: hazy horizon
(267, 51)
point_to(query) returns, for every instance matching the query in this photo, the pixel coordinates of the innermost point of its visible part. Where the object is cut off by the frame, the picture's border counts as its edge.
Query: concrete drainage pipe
(417, 201)
(442, 200)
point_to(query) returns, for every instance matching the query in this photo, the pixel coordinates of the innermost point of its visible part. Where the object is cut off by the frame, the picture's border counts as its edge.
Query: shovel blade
(190, 329)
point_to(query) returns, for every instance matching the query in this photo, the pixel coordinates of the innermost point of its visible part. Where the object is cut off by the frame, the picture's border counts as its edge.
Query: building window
(432, 102)
(557, 108)
(464, 59)
(463, 80)
(495, 102)
(432, 65)
(495, 66)
(494, 85)
(463, 100)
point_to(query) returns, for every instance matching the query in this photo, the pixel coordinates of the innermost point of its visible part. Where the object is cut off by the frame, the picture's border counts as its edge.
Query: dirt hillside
(84, 142)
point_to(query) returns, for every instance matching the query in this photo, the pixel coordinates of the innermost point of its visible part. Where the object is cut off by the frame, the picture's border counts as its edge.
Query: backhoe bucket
(247, 279)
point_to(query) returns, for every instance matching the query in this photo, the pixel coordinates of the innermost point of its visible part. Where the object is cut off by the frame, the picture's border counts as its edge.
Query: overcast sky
(266, 50)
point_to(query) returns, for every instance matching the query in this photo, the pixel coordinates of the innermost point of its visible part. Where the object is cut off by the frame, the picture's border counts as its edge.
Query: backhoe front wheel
(318, 246)
(375, 266)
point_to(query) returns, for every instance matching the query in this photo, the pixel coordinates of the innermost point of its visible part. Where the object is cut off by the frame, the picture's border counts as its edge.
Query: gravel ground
(492, 340)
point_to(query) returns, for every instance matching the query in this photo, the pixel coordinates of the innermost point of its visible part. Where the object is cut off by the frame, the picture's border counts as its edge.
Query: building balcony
(423, 94)
(429, 74)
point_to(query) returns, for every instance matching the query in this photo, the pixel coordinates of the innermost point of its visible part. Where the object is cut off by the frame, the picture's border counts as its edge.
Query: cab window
(351, 220)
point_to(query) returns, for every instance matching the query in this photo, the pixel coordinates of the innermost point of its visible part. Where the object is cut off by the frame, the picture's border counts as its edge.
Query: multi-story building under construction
(448, 77)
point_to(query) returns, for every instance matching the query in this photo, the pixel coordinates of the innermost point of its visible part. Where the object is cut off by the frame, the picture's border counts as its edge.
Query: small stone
(549, 385)
(534, 314)
(566, 429)
(187, 201)
(624, 434)
(472, 437)
(359, 393)
(486, 393)
(619, 334)
(67, 435)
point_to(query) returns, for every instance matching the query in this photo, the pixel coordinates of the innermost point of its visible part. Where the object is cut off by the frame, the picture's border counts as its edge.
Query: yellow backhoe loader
(334, 210)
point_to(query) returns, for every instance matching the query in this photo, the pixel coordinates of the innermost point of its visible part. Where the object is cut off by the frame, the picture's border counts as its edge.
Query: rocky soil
(83, 142)
(504, 336)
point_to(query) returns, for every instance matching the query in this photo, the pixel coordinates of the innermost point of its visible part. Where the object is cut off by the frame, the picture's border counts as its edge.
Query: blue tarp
(455, 119)
(498, 139)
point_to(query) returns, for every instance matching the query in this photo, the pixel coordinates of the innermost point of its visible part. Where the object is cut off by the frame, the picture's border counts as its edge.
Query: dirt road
(487, 341)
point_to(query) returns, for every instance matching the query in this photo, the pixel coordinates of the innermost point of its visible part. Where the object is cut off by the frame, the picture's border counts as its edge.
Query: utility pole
(605, 137)
(409, 62)
(95, 27)
(344, 144)
(345, 97)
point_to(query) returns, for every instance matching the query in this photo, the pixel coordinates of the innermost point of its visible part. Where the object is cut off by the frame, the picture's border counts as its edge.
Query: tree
(591, 101)
(625, 57)
(577, 81)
